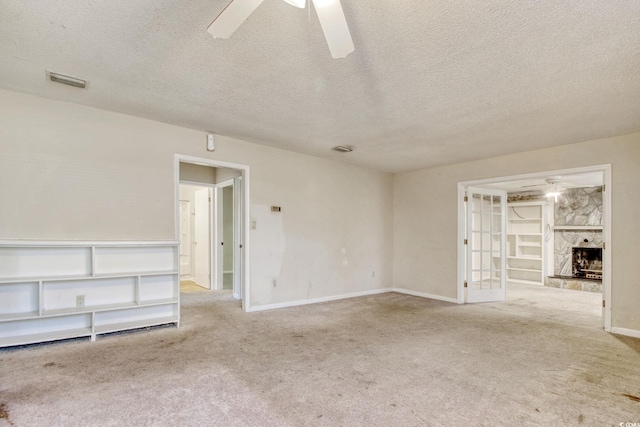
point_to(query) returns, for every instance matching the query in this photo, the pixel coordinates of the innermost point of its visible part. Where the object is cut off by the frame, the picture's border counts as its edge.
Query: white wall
(74, 172)
(225, 174)
(425, 217)
(197, 173)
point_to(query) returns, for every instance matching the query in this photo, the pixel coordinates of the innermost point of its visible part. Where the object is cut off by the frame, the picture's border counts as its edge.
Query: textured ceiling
(430, 82)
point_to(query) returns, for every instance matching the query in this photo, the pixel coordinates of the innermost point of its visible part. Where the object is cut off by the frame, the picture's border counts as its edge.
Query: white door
(201, 243)
(238, 238)
(185, 238)
(227, 223)
(486, 245)
(225, 235)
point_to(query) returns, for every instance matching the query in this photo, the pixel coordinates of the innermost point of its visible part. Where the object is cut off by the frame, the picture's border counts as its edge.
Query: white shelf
(525, 258)
(164, 301)
(33, 279)
(85, 243)
(19, 316)
(107, 307)
(88, 309)
(141, 274)
(138, 286)
(524, 269)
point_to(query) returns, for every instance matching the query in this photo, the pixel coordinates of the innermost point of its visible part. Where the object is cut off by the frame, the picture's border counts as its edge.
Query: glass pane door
(486, 257)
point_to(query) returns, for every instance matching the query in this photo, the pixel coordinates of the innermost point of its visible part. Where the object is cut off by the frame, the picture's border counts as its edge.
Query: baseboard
(424, 295)
(627, 332)
(345, 296)
(316, 300)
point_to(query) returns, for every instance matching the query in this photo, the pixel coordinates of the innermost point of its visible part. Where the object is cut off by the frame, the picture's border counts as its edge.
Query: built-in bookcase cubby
(525, 242)
(59, 290)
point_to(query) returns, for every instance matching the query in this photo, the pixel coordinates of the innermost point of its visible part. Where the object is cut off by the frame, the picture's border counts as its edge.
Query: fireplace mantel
(578, 227)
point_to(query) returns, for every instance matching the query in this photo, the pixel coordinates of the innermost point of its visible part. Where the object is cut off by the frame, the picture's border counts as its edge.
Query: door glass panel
(486, 242)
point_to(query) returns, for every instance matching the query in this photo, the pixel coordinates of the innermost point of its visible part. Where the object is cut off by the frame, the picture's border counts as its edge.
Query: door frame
(606, 227)
(188, 202)
(244, 203)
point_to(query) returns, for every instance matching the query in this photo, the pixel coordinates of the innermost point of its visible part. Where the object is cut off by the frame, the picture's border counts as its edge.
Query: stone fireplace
(577, 240)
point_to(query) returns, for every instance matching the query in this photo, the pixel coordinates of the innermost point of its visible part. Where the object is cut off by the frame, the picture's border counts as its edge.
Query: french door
(485, 245)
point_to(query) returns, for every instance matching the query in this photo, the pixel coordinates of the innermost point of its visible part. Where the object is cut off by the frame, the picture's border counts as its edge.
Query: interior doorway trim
(606, 231)
(245, 252)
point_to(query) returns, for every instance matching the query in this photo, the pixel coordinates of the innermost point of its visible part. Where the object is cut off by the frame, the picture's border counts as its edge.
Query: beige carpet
(386, 360)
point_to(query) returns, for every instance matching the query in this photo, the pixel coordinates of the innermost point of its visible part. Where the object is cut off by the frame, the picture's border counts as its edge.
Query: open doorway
(555, 228)
(211, 212)
(195, 235)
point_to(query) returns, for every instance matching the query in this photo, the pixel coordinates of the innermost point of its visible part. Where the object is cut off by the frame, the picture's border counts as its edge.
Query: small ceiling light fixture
(343, 148)
(555, 188)
(67, 80)
(553, 194)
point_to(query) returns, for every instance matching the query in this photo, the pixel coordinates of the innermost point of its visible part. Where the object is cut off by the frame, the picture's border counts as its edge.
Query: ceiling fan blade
(232, 17)
(334, 26)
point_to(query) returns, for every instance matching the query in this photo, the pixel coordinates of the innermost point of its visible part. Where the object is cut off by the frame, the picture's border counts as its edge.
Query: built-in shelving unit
(58, 290)
(525, 242)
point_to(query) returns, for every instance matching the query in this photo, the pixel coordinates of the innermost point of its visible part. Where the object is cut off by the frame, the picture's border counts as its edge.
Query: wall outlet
(274, 282)
(79, 300)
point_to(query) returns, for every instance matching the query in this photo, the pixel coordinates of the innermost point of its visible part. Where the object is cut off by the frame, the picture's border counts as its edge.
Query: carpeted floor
(386, 360)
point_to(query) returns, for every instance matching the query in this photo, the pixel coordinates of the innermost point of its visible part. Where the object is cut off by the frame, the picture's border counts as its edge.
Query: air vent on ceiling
(343, 148)
(67, 80)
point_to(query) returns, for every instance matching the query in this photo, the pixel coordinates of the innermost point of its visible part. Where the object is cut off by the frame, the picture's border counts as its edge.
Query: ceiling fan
(330, 14)
(553, 187)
